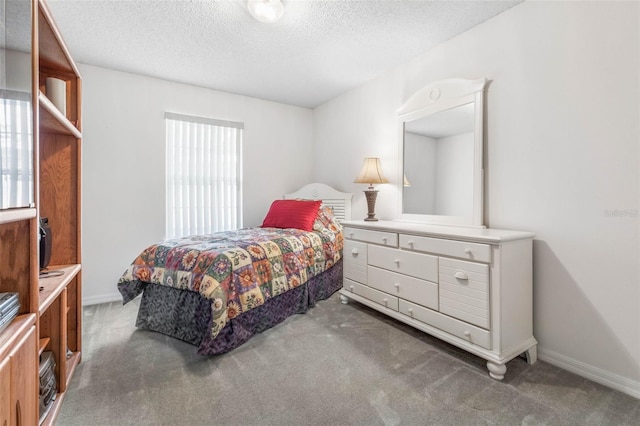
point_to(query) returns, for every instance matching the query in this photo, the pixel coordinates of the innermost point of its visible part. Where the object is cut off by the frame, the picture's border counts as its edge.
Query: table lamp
(371, 173)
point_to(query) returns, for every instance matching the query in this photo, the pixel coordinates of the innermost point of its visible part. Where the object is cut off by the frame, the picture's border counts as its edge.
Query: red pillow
(299, 214)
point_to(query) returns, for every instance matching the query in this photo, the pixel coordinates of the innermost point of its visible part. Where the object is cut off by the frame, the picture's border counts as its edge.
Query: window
(16, 149)
(203, 175)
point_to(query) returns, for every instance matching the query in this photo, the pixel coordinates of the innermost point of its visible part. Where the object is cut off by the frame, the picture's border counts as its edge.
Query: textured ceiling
(318, 50)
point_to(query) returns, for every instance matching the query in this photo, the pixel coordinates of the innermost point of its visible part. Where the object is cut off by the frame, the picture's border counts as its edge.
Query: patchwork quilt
(236, 270)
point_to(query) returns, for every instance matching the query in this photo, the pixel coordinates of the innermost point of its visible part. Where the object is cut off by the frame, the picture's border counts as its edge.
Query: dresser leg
(532, 354)
(344, 299)
(496, 370)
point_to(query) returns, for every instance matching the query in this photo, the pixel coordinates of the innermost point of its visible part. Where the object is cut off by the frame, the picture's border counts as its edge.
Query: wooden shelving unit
(50, 306)
(59, 148)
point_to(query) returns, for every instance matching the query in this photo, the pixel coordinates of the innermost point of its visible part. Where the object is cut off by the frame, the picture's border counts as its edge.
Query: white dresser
(470, 287)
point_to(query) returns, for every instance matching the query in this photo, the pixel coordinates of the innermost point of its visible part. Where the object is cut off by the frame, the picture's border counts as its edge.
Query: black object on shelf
(45, 242)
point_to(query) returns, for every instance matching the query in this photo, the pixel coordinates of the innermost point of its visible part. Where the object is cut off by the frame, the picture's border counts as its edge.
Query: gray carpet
(336, 365)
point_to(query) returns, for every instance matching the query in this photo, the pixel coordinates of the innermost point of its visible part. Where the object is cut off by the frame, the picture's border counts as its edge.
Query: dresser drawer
(379, 297)
(461, 249)
(389, 239)
(464, 291)
(419, 291)
(404, 262)
(452, 326)
(355, 261)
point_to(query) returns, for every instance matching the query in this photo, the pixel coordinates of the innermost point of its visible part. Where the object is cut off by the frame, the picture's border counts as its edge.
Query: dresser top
(484, 235)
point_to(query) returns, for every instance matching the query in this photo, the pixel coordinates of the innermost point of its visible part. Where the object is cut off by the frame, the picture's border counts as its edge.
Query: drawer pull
(351, 235)
(384, 240)
(354, 252)
(397, 262)
(351, 287)
(397, 286)
(385, 301)
(410, 311)
(467, 251)
(410, 243)
(467, 334)
(461, 275)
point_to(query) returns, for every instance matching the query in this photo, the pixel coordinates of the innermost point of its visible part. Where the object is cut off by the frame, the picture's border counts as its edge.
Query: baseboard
(103, 298)
(598, 375)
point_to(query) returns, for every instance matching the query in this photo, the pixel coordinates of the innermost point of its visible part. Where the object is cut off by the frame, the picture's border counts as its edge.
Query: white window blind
(203, 175)
(16, 149)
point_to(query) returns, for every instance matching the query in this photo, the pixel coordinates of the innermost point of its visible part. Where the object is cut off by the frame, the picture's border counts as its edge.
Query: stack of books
(48, 385)
(9, 308)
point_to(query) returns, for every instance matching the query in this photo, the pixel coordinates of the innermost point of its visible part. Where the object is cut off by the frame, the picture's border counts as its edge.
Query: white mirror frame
(436, 97)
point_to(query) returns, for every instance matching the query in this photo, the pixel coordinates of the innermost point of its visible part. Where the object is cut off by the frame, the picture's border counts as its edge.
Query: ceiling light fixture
(267, 11)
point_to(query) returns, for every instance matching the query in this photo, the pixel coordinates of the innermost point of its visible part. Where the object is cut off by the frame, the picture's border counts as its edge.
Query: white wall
(123, 161)
(562, 153)
(18, 71)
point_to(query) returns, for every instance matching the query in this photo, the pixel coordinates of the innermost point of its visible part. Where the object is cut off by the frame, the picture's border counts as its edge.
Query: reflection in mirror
(16, 111)
(441, 140)
(438, 163)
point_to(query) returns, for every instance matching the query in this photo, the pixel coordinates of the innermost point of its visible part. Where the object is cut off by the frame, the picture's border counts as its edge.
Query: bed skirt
(186, 315)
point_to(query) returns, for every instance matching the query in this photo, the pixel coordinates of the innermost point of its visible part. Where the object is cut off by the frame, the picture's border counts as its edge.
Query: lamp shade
(371, 172)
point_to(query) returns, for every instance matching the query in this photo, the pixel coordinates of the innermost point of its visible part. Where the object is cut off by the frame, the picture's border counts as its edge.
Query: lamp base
(371, 195)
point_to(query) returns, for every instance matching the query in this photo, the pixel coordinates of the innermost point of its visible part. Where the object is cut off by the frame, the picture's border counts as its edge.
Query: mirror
(441, 139)
(16, 106)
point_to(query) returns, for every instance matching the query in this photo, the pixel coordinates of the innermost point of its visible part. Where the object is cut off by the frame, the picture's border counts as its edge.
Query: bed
(217, 291)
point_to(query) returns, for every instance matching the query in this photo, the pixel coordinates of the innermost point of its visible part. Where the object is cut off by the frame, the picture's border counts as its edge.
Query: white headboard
(340, 202)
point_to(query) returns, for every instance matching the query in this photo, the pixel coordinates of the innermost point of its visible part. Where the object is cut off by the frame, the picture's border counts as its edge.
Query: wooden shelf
(51, 287)
(42, 344)
(54, 410)
(72, 362)
(53, 121)
(14, 215)
(16, 328)
(53, 51)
